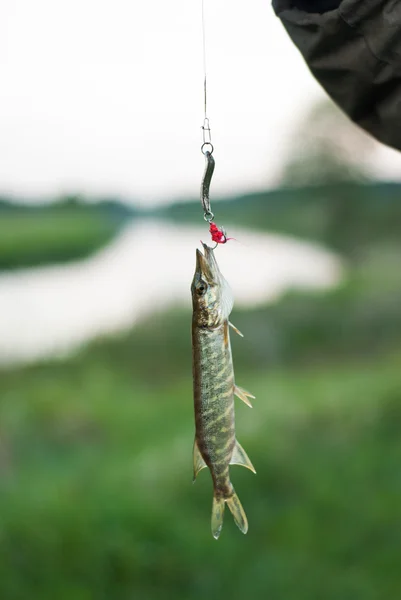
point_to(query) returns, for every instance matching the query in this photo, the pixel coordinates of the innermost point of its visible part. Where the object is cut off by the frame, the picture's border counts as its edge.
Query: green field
(32, 236)
(96, 494)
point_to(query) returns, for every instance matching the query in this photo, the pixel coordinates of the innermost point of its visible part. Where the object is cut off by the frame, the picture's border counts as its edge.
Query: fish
(215, 445)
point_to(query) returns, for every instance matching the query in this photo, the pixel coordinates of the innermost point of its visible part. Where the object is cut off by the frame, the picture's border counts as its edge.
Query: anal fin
(235, 329)
(199, 463)
(240, 457)
(243, 395)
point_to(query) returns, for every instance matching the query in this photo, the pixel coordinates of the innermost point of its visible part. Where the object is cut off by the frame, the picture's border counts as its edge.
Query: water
(51, 311)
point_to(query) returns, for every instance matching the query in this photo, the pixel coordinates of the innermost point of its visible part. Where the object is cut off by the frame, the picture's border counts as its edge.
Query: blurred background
(99, 220)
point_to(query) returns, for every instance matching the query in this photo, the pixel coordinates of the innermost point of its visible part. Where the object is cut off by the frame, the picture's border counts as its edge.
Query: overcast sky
(106, 97)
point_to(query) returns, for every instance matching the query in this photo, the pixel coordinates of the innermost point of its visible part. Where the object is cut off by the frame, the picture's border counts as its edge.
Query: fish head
(212, 299)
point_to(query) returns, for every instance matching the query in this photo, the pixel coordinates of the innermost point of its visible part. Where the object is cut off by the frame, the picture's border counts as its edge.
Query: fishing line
(204, 57)
(218, 234)
(207, 138)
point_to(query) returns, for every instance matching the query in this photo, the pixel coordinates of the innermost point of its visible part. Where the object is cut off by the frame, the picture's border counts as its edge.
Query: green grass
(97, 501)
(39, 238)
(67, 229)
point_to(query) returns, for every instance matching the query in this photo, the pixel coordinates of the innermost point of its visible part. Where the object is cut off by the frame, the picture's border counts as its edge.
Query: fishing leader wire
(218, 233)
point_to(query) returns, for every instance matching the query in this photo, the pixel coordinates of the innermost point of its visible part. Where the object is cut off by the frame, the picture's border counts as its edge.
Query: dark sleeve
(354, 51)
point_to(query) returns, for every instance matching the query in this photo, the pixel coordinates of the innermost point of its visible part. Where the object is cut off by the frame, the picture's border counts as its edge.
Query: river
(50, 311)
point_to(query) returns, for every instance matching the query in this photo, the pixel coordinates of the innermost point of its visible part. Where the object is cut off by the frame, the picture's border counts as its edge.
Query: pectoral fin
(235, 329)
(243, 395)
(240, 457)
(199, 463)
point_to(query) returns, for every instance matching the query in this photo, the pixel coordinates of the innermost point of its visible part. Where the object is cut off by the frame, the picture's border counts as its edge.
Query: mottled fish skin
(214, 401)
(214, 388)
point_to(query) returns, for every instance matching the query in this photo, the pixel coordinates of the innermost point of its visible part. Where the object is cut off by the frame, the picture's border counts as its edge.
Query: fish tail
(235, 506)
(217, 515)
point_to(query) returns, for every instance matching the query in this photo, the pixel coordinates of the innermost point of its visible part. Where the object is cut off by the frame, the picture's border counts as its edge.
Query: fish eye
(201, 288)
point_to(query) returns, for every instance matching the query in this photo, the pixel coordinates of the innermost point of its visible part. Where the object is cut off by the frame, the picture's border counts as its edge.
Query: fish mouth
(208, 270)
(206, 265)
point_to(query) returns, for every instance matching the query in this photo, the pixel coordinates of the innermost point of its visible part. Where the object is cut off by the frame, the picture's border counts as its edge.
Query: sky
(105, 98)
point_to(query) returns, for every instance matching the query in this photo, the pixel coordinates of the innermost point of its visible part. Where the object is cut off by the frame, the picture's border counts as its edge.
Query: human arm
(353, 48)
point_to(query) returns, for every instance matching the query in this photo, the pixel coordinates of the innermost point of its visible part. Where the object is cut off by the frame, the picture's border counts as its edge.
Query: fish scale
(215, 443)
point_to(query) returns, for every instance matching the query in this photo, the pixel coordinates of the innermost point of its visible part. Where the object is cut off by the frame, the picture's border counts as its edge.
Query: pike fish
(215, 443)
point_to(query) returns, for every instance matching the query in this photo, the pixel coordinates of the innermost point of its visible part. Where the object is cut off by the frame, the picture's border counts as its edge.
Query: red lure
(218, 234)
